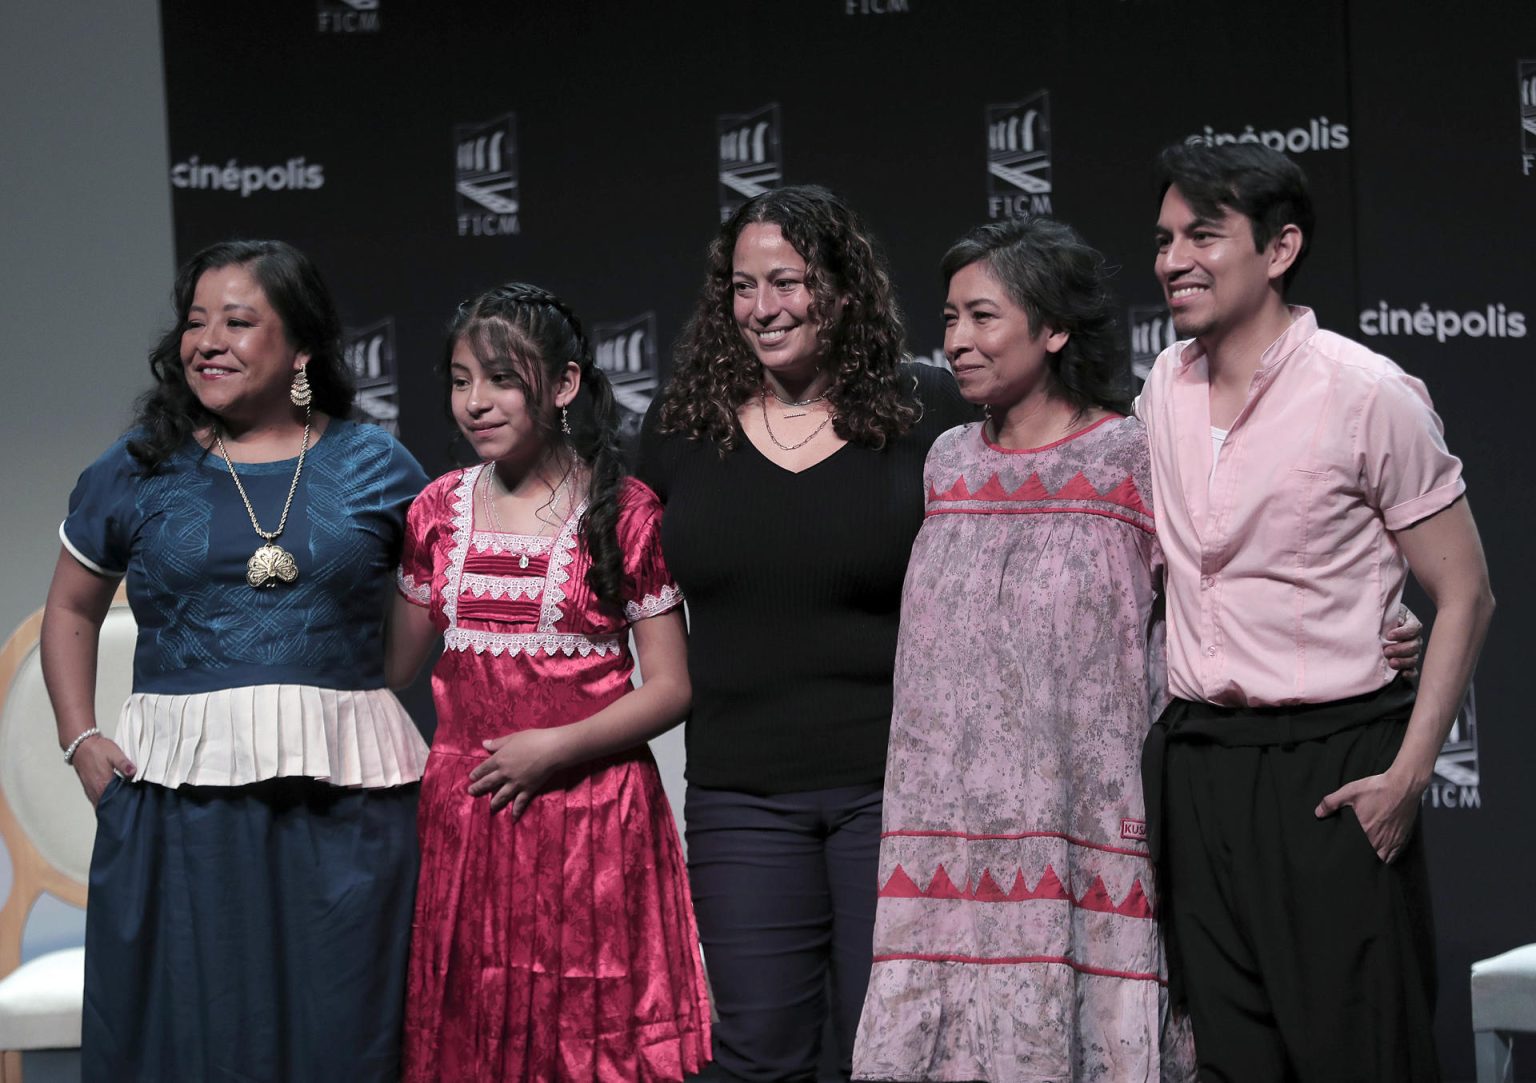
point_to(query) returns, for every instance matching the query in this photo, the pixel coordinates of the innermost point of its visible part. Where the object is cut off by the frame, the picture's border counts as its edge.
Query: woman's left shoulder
(938, 396)
(635, 497)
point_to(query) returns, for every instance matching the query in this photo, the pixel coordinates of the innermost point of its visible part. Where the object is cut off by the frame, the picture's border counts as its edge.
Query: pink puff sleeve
(415, 574)
(649, 589)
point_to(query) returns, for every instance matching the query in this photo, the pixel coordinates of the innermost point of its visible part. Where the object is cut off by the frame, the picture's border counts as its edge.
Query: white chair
(48, 827)
(1503, 1005)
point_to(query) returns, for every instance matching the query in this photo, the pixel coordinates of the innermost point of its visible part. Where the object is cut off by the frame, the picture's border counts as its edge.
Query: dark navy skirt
(251, 933)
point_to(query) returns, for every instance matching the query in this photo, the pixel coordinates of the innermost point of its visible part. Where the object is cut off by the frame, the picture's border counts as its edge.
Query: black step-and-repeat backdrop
(422, 152)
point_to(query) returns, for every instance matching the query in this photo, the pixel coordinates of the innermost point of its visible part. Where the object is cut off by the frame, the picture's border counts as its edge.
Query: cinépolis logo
(485, 177)
(626, 352)
(1019, 157)
(1528, 116)
(370, 353)
(1491, 321)
(347, 16)
(1151, 332)
(1456, 779)
(1319, 133)
(294, 175)
(751, 156)
(876, 7)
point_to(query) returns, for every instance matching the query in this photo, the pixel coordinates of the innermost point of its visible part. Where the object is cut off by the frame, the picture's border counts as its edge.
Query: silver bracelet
(69, 753)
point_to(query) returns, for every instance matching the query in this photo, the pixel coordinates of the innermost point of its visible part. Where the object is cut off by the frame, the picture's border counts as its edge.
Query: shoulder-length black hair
(169, 412)
(1060, 282)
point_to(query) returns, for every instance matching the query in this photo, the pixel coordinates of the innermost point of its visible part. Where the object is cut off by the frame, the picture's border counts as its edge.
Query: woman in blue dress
(255, 859)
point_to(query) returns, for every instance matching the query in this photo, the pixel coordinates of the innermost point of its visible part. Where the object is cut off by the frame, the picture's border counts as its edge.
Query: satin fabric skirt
(251, 933)
(560, 945)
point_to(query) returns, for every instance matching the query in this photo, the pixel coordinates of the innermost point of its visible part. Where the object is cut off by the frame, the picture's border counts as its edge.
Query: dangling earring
(565, 421)
(299, 393)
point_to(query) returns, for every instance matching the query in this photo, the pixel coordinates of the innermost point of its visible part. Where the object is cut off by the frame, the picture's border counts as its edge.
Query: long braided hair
(533, 334)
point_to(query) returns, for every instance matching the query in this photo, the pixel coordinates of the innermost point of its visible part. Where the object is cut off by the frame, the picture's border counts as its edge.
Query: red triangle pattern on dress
(1033, 490)
(1049, 888)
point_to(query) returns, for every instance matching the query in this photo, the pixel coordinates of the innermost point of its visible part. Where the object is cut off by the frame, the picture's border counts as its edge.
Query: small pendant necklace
(270, 563)
(489, 498)
(762, 403)
(796, 403)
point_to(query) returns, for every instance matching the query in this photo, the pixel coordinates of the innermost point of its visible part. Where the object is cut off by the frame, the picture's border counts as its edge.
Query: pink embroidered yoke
(1014, 935)
(562, 944)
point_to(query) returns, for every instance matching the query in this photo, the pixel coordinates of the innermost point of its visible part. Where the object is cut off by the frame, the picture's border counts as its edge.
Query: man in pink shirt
(1298, 477)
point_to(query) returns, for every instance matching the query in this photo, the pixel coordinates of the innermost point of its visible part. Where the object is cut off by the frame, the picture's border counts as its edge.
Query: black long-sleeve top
(793, 584)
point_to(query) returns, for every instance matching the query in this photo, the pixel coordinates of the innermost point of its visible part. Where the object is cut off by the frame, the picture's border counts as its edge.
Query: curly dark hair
(531, 334)
(1060, 282)
(168, 413)
(853, 303)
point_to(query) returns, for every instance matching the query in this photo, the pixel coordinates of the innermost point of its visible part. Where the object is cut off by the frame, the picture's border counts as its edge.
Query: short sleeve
(649, 589)
(1407, 472)
(414, 577)
(404, 479)
(103, 513)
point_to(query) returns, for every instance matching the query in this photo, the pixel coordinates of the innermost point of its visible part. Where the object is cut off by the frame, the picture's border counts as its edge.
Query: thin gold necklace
(270, 563)
(762, 403)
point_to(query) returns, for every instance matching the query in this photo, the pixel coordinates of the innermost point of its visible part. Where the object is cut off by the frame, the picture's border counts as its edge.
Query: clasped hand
(1385, 806)
(518, 766)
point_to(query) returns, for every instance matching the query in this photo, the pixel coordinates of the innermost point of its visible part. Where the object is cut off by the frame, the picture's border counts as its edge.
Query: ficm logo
(1019, 157)
(1318, 134)
(485, 177)
(877, 7)
(296, 174)
(370, 352)
(751, 156)
(1151, 331)
(1493, 321)
(347, 16)
(1455, 784)
(626, 352)
(1528, 116)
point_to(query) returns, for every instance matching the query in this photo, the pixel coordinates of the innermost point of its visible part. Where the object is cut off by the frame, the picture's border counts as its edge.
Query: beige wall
(85, 268)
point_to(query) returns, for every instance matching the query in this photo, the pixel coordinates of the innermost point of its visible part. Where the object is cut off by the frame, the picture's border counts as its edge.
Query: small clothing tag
(1133, 829)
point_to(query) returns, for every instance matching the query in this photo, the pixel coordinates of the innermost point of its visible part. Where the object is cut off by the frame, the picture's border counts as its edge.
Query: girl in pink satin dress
(553, 936)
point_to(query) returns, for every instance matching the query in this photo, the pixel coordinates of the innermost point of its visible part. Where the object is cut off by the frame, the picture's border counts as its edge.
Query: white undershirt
(1218, 437)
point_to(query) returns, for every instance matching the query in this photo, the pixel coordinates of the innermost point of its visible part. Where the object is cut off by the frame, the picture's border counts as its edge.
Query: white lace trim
(463, 522)
(420, 593)
(653, 605)
(503, 586)
(560, 557)
(236, 736)
(499, 643)
(521, 544)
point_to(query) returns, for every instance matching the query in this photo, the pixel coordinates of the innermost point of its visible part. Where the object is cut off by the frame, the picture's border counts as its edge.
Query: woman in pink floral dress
(1015, 936)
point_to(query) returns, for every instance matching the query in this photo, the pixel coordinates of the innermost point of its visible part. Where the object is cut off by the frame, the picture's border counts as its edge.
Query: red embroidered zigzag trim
(1078, 487)
(1050, 888)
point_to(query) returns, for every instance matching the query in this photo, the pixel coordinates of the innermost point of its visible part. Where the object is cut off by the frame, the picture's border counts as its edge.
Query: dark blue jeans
(784, 887)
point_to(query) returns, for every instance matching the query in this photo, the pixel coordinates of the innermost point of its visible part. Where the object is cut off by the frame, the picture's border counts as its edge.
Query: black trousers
(1300, 954)
(784, 888)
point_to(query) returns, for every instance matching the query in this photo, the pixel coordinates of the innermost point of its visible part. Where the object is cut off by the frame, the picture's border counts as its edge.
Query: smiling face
(1214, 277)
(772, 303)
(235, 351)
(998, 358)
(493, 405)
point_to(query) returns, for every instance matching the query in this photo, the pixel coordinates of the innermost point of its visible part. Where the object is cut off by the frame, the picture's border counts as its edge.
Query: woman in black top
(788, 448)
